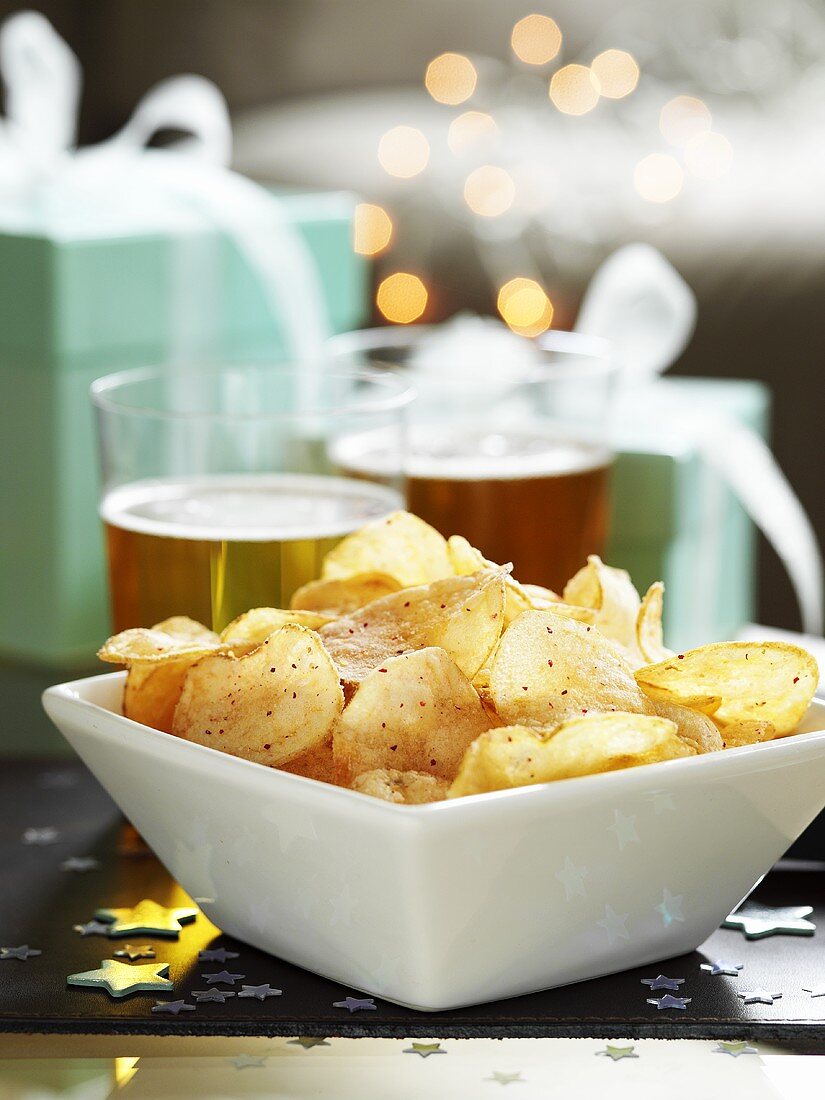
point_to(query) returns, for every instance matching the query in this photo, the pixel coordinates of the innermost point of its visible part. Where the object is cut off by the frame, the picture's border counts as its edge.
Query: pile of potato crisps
(415, 670)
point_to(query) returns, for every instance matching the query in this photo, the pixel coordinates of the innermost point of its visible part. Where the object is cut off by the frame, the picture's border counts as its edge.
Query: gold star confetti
(424, 1049)
(147, 918)
(617, 1053)
(308, 1041)
(120, 979)
(734, 1049)
(506, 1078)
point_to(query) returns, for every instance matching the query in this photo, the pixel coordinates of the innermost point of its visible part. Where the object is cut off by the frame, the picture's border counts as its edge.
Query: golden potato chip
(253, 627)
(748, 733)
(755, 681)
(610, 593)
(542, 599)
(548, 668)
(270, 705)
(515, 756)
(649, 638)
(340, 597)
(400, 544)
(407, 788)
(693, 727)
(462, 615)
(416, 712)
(314, 763)
(186, 629)
(153, 689)
(467, 560)
(170, 640)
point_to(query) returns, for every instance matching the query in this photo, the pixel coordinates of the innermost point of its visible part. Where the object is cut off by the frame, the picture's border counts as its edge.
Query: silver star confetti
(247, 1061)
(815, 991)
(260, 992)
(147, 918)
(172, 1007)
(213, 994)
(143, 951)
(23, 952)
(80, 864)
(222, 977)
(356, 1004)
(734, 1049)
(92, 928)
(758, 996)
(758, 921)
(669, 1002)
(424, 1049)
(308, 1042)
(661, 982)
(722, 967)
(506, 1078)
(216, 955)
(119, 978)
(45, 835)
(617, 1053)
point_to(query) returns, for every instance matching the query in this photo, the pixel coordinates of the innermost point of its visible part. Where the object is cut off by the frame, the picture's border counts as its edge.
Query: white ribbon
(639, 302)
(43, 175)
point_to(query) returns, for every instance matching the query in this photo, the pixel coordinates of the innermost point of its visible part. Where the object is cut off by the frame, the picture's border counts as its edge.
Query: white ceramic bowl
(454, 903)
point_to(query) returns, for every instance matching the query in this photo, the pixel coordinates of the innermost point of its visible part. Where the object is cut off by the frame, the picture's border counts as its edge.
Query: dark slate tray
(39, 904)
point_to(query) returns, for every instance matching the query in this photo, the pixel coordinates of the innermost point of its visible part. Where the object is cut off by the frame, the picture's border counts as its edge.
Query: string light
(469, 129)
(574, 89)
(709, 155)
(451, 78)
(658, 177)
(536, 39)
(403, 152)
(682, 118)
(401, 297)
(372, 229)
(617, 73)
(489, 191)
(525, 307)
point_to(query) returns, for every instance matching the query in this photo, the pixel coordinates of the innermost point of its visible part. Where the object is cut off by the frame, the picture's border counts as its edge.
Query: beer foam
(248, 508)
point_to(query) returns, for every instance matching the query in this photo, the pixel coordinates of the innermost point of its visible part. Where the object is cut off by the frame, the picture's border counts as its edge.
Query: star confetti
(572, 878)
(756, 921)
(213, 994)
(670, 907)
(308, 1042)
(81, 864)
(617, 1053)
(661, 982)
(817, 991)
(758, 996)
(669, 1002)
(45, 835)
(142, 951)
(356, 1004)
(92, 928)
(614, 924)
(424, 1049)
(120, 979)
(147, 918)
(172, 1007)
(216, 955)
(260, 992)
(247, 1061)
(222, 977)
(734, 1049)
(23, 952)
(506, 1078)
(722, 967)
(624, 829)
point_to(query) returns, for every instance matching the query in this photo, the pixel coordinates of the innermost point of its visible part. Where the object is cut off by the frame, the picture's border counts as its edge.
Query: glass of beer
(219, 490)
(511, 453)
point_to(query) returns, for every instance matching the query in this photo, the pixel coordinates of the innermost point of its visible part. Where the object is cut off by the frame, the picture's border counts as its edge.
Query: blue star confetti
(260, 992)
(730, 969)
(24, 952)
(670, 1002)
(40, 836)
(758, 996)
(213, 994)
(661, 982)
(356, 1004)
(172, 1008)
(92, 928)
(81, 864)
(222, 977)
(216, 955)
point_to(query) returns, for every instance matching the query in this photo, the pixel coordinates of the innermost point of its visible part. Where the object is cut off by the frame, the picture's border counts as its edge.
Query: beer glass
(514, 455)
(219, 492)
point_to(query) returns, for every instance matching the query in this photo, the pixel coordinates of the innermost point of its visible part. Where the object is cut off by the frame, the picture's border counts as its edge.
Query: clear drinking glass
(511, 452)
(219, 488)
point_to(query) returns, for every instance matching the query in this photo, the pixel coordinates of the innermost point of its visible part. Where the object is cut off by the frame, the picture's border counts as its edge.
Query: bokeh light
(403, 151)
(617, 73)
(682, 118)
(469, 129)
(372, 229)
(574, 89)
(489, 191)
(658, 177)
(525, 307)
(709, 155)
(451, 78)
(536, 39)
(401, 297)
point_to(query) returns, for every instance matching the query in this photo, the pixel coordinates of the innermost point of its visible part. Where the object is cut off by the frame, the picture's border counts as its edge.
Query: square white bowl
(454, 903)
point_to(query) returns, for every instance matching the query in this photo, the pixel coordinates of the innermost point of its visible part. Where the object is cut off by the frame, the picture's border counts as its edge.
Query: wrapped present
(121, 255)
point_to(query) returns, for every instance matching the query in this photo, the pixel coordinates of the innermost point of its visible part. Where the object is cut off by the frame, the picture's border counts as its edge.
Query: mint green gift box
(674, 517)
(83, 303)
